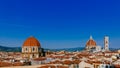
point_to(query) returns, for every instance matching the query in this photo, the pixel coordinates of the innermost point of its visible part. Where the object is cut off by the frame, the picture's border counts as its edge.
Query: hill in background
(18, 49)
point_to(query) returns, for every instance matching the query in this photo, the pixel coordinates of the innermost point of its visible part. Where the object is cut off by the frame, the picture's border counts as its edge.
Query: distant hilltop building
(91, 45)
(32, 49)
(106, 43)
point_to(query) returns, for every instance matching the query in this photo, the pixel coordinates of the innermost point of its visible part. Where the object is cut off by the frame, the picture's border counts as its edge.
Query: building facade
(91, 44)
(106, 43)
(93, 47)
(32, 49)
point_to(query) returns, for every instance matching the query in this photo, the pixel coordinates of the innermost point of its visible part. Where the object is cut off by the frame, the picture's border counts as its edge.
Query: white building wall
(83, 64)
(106, 43)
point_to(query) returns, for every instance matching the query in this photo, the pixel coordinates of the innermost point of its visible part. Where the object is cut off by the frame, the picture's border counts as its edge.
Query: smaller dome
(31, 41)
(91, 42)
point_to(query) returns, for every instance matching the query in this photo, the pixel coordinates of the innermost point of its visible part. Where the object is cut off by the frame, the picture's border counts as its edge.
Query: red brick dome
(31, 41)
(91, 42)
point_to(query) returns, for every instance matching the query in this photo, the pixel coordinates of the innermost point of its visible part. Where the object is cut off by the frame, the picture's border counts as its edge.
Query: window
(33, 55)
(33, 49)
(26, 49)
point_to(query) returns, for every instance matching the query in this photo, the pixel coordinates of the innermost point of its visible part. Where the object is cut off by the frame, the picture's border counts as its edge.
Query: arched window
(26, 49)
(33, 49)
(33, 55)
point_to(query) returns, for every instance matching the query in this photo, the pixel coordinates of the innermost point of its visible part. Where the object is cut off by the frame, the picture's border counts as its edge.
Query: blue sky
(59, 23)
